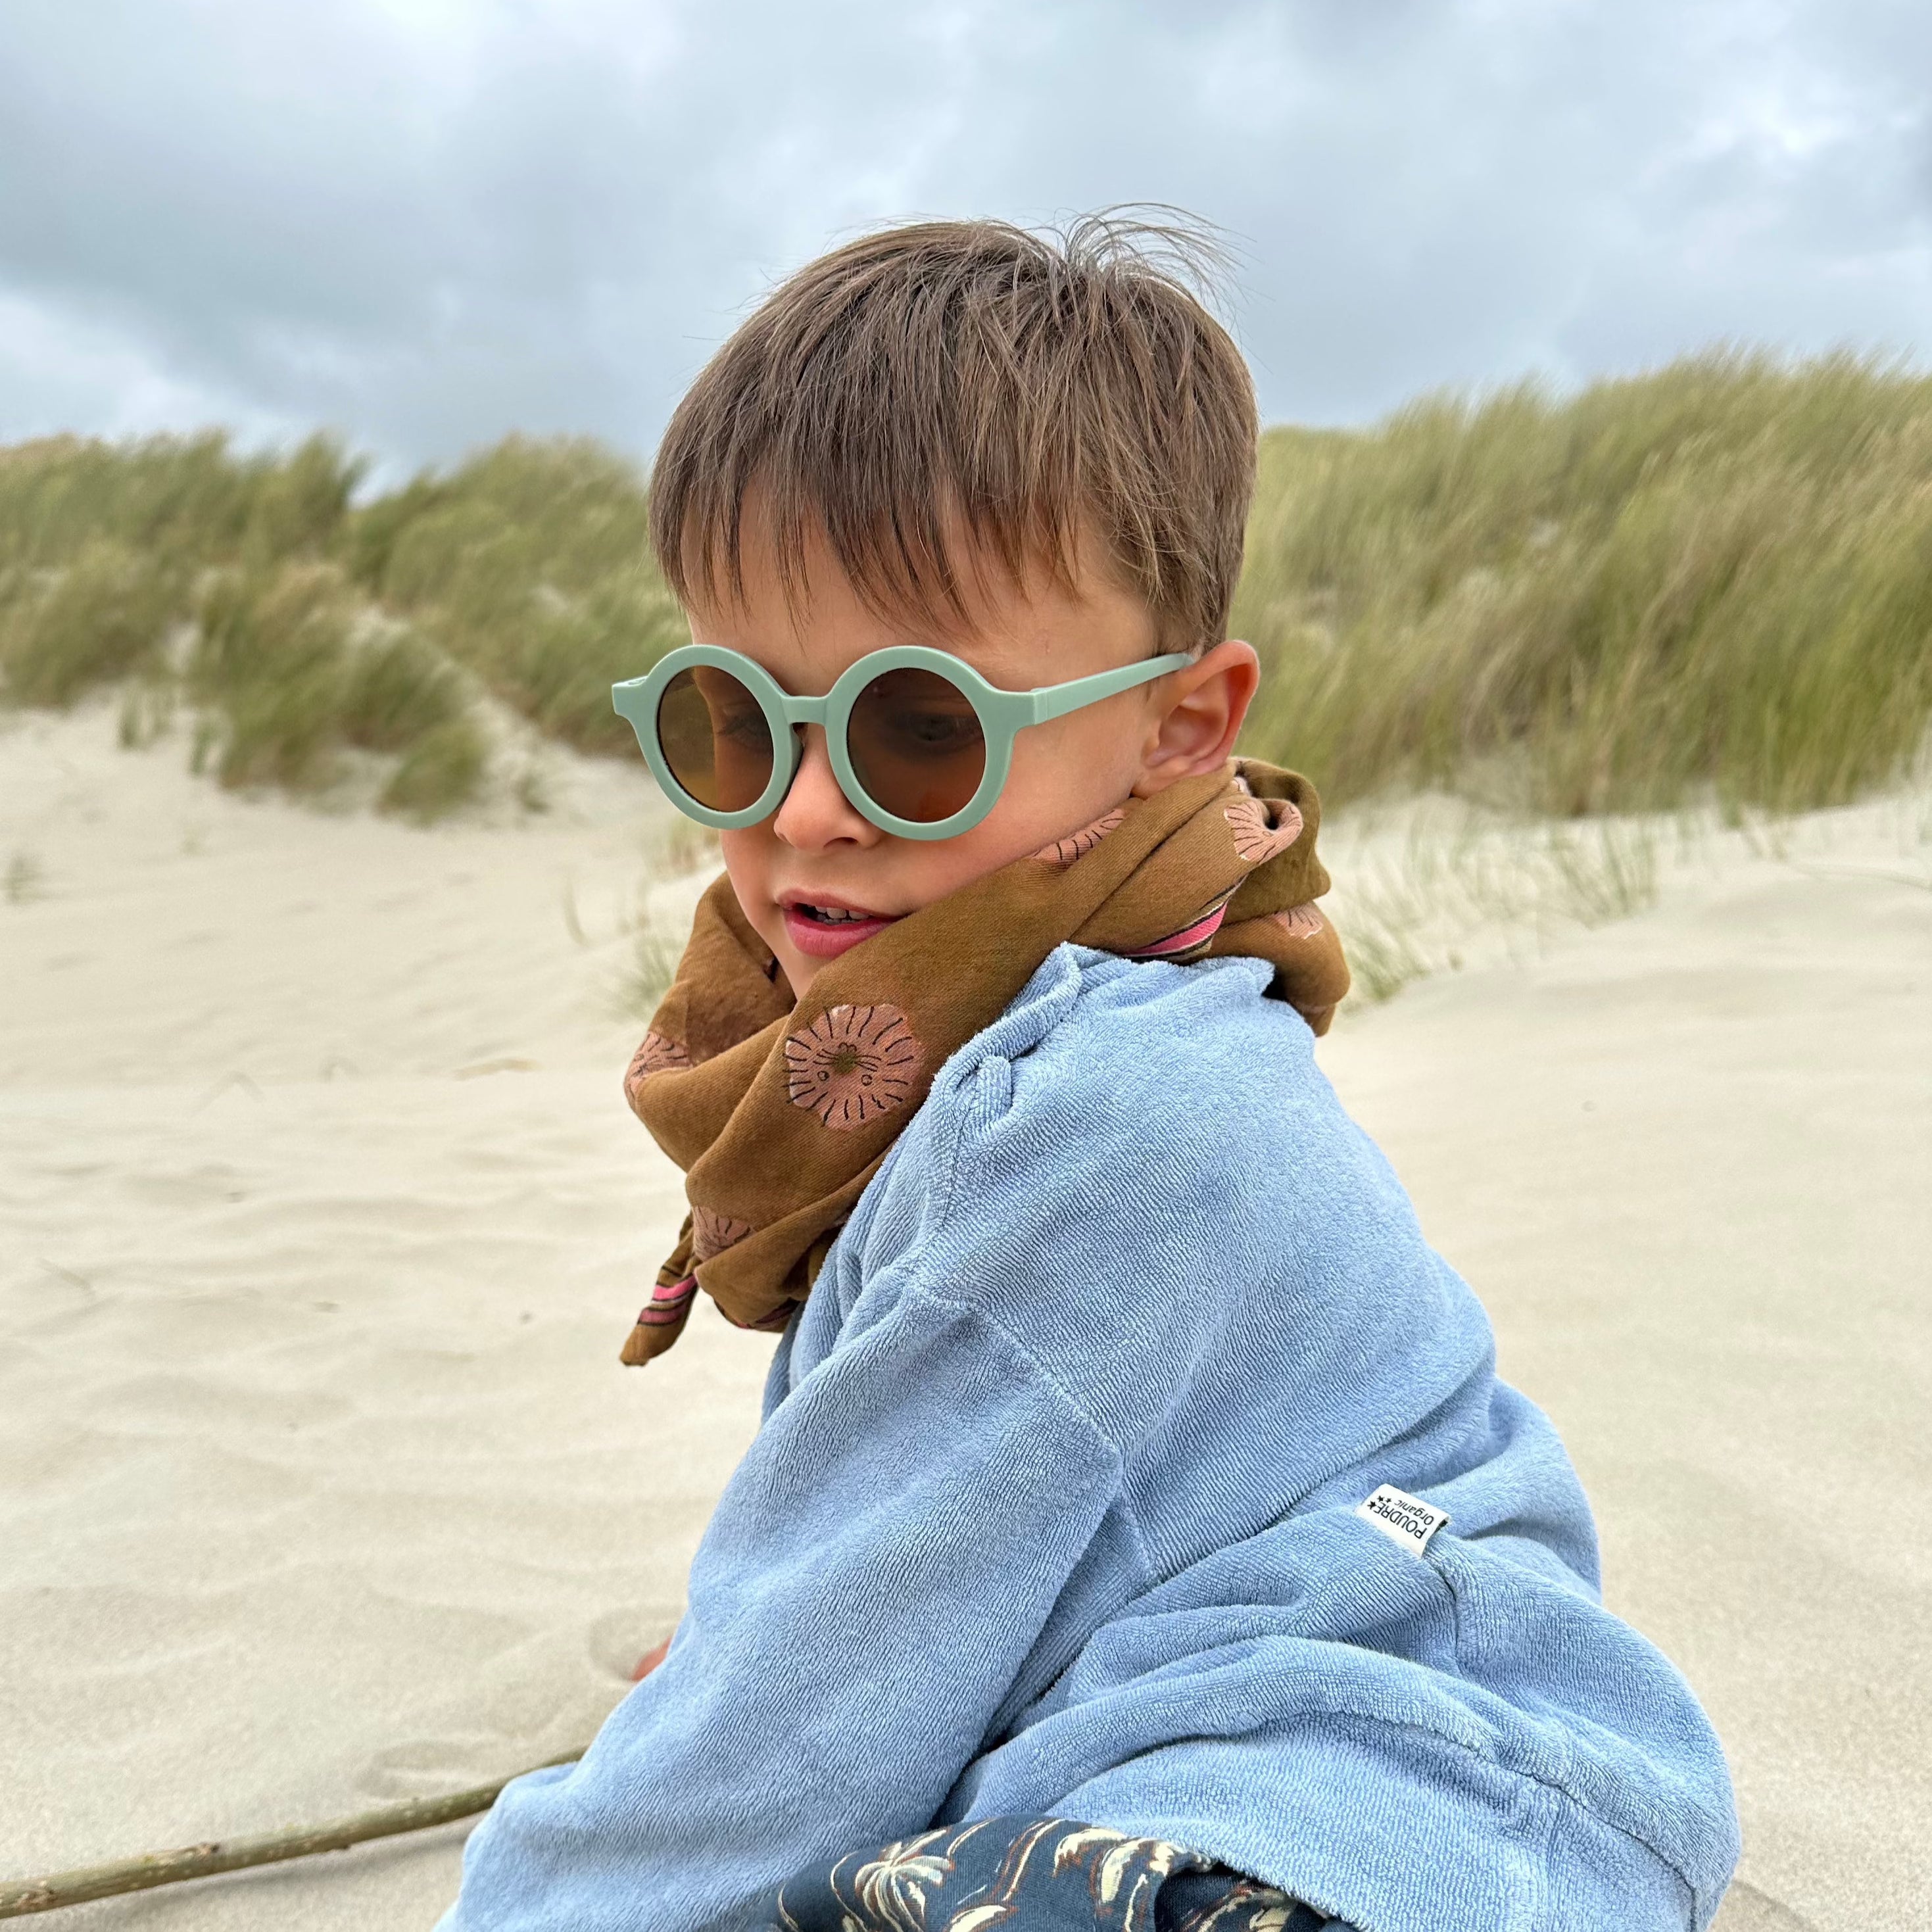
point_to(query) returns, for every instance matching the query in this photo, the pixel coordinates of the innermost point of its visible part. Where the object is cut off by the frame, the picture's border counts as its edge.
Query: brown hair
(970, 375)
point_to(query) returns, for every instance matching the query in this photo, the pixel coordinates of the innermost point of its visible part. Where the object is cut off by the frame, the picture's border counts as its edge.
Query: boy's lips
(819, 937)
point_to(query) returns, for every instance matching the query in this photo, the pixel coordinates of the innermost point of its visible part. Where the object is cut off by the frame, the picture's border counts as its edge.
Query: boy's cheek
(748, 869)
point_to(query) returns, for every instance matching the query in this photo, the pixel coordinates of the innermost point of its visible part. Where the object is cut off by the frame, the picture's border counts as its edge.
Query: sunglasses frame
(1002, 715)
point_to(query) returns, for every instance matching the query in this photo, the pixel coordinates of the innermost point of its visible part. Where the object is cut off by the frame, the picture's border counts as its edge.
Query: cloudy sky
(427, 222)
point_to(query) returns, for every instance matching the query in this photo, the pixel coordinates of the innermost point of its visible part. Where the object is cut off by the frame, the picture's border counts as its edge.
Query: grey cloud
(430, 224)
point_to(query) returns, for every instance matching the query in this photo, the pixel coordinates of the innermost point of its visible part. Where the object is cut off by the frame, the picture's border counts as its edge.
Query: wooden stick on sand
(18, 1897)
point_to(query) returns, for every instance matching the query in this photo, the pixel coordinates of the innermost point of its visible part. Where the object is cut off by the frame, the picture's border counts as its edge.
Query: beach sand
(322, 1221)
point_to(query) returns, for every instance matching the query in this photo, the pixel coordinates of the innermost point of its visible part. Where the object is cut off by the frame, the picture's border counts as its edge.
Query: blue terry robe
(1055, 1510)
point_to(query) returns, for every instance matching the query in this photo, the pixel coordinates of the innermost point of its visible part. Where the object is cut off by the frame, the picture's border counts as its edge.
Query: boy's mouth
(824, 927)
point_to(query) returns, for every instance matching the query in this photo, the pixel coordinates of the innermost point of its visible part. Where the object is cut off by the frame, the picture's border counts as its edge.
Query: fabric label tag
(1402, 1518)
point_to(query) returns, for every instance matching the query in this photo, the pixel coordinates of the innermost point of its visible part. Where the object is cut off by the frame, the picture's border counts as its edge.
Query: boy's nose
(814, 813)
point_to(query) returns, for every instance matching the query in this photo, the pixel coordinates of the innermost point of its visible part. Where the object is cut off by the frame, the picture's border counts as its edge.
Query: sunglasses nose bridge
(808, 720)
(826, 812)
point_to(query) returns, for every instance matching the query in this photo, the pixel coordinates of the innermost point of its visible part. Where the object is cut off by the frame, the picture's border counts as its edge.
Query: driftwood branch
(18, 1897)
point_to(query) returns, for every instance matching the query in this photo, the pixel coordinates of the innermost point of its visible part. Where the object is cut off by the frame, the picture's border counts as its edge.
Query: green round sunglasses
(920, 742)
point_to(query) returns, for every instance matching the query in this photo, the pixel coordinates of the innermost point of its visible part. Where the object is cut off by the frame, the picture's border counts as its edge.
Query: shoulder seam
(914, 1292)
(1116, 1454)
(1026, 1354)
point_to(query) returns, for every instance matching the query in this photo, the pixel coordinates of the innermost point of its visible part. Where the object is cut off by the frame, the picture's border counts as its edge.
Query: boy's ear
(1203, 707)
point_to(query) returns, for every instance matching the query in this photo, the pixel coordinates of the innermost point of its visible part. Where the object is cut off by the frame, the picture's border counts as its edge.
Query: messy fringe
(942, 398)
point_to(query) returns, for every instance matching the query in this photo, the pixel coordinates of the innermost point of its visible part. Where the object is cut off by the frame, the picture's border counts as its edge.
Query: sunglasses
(920, 742)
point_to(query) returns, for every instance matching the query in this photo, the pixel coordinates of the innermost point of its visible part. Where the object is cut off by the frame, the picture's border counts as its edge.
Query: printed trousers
(1029, 1875)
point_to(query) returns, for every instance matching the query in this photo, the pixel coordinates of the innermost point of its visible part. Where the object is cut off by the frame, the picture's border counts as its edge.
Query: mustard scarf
(780, 1113)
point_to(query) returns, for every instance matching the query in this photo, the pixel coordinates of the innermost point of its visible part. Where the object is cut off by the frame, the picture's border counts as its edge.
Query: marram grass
(1717, 578)
(1712, 580)
(529, 564)
(101, 617)
(291, 668)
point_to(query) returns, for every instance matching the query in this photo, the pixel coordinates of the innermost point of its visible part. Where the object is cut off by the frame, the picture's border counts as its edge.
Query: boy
(1137, 1533)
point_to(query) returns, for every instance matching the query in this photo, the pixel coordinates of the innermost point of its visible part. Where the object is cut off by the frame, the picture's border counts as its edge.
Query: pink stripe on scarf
(668, 1303)
(1202, 929)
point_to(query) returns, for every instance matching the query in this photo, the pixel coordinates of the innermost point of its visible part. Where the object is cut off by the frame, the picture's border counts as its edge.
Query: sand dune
(321, 1220)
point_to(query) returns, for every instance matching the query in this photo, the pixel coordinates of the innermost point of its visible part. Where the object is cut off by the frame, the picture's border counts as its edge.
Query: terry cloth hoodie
(1056, 1508)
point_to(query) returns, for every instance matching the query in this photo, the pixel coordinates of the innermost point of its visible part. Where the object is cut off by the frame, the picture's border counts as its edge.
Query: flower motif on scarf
(1256, 837)
(1301, 922)
(711, 1233)
(658, 1054)
(852, 1064)
(1077, 844)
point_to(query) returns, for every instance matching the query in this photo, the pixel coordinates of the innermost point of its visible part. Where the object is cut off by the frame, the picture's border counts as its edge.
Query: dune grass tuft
(529, 564)
(104, 616)
(188, 500)
(398, 692)
(269, 668)
(291, 667)
(1717, 576)
(442, 769)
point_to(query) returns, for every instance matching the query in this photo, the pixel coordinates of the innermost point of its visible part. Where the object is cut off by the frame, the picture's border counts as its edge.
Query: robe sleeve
(877, 1570)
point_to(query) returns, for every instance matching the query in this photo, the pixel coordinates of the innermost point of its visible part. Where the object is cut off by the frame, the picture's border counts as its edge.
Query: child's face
(816, 852)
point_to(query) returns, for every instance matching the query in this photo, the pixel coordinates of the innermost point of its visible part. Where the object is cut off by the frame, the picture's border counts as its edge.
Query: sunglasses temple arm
(1055, 701)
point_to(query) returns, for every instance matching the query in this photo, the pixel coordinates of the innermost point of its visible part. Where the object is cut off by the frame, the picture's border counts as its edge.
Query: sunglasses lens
(915, 741)
(714, 736)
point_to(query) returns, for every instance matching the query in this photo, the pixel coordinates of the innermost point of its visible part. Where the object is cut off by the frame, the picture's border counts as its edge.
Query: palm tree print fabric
(779, 1110)
(1029, 1875)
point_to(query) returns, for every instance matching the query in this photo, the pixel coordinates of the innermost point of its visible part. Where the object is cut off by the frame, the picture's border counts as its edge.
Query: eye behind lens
(917, 745)
(715, 737)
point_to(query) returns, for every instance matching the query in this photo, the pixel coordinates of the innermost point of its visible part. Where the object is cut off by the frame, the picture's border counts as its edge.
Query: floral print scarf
(780, 1113)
